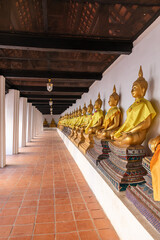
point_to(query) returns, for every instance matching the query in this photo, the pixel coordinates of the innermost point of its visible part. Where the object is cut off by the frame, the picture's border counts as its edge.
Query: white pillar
(39, 122)
(12, 122)
(2, 123)
(29, 123)
(22, 121)
(33, 122)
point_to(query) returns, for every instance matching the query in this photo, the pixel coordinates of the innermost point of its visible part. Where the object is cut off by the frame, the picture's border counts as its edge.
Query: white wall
(49, 118)
(124, 71)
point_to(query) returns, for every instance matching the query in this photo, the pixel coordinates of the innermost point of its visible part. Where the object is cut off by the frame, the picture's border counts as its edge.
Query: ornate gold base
(88, 143)
(72, 134)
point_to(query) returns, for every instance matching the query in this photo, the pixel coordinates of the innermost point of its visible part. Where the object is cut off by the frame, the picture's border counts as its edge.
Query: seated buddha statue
(139, 116)
(86, 117)
(154, 144)
(52, 124)
(79, 116)
(45, 123)
(112, 118)
(97, 118)
(83, 117)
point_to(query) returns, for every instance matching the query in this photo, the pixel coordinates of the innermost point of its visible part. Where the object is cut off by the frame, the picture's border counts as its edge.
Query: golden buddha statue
(45, 123)
(97, 118)
(83, 117)
(52, 124)
(154, 144)
(112, 118)
(79, 115)
(139, 116)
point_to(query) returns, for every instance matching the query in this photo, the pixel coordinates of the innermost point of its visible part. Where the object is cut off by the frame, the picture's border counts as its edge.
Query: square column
(12, 122)
(29, 118)
(33, 123)
(2, 123)
(22, 121)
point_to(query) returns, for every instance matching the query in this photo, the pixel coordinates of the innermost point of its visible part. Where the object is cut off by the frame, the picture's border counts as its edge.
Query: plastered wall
(124, 71)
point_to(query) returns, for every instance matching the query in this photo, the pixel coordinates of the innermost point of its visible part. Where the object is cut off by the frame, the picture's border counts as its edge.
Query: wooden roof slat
(43, 43)
(50, 74)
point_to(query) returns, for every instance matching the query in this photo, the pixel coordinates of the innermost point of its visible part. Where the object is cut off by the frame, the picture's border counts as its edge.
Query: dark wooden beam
(50, 74)
(57, 97)
(44, 101)
(55, 89)
(122, 2)
(59, 43)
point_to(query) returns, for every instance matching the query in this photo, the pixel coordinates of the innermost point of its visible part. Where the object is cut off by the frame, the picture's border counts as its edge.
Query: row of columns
(19, 122)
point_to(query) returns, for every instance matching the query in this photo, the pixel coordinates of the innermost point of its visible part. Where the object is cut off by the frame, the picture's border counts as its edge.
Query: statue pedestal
(80, 138)
(124, 166)
(100, 150)
(88, 143)
(142, 197)
(67, 131)
(75, 136)
(71, 134)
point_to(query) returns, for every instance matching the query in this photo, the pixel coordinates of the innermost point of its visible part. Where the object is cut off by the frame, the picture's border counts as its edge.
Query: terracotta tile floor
(43, 196)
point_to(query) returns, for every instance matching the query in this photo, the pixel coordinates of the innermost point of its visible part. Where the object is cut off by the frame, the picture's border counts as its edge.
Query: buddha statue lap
(112, 118)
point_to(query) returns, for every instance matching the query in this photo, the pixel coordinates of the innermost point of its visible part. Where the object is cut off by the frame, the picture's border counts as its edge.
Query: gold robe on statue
(112, 112)
(95, 118)
(136, 114)
(155, 172)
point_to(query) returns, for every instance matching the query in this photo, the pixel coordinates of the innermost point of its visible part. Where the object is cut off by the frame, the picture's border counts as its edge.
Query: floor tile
(44, 228)
(63, 217)
(82, 215)
(5, 231)
(44, 237)
(108, 234)
(9, 220)
(88, 235)
(84, 225)
(25, 219)
(46, 217)
(21, 230)
(69, 226)
(67, 236)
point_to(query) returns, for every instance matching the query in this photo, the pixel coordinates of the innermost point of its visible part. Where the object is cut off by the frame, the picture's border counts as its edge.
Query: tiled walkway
(43, 196)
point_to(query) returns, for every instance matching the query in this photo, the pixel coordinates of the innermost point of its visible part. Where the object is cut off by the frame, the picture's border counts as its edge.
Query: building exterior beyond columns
(22, 121)
(12, 122)
(2, 123)
(28, 128)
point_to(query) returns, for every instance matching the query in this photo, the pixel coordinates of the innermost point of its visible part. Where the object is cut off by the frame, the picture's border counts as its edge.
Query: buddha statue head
(139, 87)
(84, 109)
(98, 103)
(114, 98)
(90, 107)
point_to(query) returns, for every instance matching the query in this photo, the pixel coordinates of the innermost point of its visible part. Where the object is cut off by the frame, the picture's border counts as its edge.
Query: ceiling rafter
(50, 74)
(50, 43)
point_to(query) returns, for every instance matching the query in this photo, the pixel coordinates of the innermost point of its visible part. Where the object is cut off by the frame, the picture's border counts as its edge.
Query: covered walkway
(43, 196)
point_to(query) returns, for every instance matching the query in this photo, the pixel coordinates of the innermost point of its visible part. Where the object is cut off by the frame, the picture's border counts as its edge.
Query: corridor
(43, 196)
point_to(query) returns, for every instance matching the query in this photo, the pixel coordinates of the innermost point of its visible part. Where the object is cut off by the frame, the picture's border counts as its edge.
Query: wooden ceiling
(70, 41)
